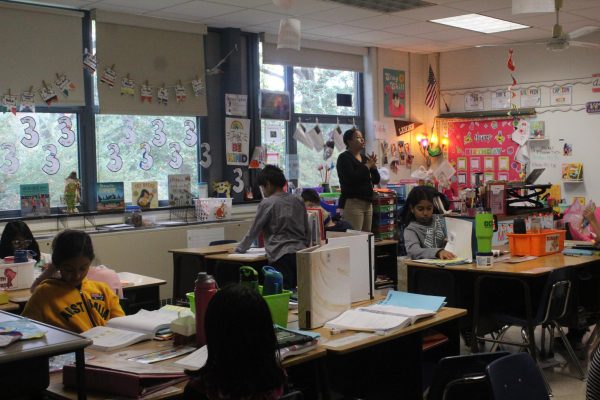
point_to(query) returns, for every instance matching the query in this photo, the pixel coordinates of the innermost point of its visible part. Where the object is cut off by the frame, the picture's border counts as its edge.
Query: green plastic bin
(278, 305)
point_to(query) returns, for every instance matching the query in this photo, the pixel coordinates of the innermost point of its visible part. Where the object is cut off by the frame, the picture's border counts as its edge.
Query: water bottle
(204, 289)
(273, 281)
(249, 277)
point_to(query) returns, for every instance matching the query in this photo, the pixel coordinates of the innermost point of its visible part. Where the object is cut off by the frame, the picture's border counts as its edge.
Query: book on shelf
(180, 190)
(537, 130)
(572, 171)
(398, 310)
(110, 196)
(35, 199)
(144, 194)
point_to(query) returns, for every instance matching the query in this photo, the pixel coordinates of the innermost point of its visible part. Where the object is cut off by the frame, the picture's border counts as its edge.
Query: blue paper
(413, 300)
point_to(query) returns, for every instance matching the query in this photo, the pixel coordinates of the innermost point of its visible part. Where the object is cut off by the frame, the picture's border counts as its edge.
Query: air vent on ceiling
(385, 6)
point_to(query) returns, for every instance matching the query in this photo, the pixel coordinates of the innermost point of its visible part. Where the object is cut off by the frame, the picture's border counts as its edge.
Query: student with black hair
(425, 233)
(331, 223)
(357, 173)
(283, 220)
(72, 301)
(17, 236)
(242, 350)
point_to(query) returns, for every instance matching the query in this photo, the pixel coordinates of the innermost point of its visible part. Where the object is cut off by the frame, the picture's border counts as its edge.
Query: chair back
(218, 242)
(555, 297)
(516, 377)
(462, 377)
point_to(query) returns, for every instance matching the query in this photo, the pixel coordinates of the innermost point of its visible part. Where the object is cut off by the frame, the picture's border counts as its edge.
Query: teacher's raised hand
(371, 160)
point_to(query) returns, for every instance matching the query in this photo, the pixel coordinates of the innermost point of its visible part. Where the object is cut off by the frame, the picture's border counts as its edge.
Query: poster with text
(394, 93)
(237, 137)
(274, 133)
(482, 146)
(473, 101)
(561, 95)
(236, 104)
(501, 99)
(531, 97)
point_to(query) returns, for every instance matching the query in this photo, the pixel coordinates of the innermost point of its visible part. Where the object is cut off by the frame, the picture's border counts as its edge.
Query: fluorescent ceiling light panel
(479, 23)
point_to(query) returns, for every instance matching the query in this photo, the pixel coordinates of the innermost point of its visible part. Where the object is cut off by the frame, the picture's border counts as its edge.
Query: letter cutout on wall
(67, 137)
(191, 137)
(52, 165)
(239, 183)
(205, 157)
(114, 153)
(32, 138)
(147, 160)
(176, 159)
(160, 137)
(11, 162)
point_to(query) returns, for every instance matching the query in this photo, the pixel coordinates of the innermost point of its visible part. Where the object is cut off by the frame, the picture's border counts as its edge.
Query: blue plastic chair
(516, 377)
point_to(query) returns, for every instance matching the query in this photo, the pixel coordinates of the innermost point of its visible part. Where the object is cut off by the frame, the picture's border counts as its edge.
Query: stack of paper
(443, 263)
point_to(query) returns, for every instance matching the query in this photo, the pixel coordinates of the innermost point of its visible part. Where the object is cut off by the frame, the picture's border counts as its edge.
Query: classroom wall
(486, 69)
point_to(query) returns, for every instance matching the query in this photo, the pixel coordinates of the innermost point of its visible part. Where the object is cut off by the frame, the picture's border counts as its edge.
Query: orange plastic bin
(548, 241)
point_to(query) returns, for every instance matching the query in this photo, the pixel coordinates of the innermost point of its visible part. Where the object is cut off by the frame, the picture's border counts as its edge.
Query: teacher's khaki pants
(359, 213)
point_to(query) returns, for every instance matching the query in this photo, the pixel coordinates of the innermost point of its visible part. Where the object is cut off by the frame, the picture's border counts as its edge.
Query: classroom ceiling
(329, 21)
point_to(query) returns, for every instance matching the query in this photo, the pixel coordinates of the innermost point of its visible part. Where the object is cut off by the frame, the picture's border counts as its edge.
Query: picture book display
(144, 194)
(572, 172)
(180, 190)
(110, 196)
(35, 199)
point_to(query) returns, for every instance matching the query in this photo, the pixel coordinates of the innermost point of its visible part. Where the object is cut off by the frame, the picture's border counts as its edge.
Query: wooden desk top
(539, 266)
(237, 257)
(205, 251)
(385, 242)
(10, 306)
(129, 280)
(57, 390)
(444, 315)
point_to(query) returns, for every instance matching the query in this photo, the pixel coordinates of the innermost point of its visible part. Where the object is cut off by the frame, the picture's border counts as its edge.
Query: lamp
(423, 141)
(289, 34)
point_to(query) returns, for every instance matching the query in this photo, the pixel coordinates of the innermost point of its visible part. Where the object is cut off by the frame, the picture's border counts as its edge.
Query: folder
(122, 383)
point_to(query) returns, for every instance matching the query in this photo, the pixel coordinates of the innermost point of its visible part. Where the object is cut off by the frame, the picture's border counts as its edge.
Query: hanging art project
(482, 146)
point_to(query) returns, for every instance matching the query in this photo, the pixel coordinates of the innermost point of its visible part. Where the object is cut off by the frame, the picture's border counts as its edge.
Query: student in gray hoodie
(425, 234)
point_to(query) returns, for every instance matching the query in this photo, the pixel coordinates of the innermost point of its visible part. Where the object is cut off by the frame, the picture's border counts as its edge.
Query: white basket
(15, 276)
(213, 209)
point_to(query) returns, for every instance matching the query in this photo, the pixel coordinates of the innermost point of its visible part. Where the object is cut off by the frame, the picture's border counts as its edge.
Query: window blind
(37, 44)
(160, 52)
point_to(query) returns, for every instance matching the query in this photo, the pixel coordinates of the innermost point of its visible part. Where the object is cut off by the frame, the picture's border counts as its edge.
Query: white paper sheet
(459, 238)
(195, 360)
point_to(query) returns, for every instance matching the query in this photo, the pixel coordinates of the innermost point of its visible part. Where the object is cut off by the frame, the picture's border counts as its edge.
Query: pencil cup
(485, 260)
(326, 188)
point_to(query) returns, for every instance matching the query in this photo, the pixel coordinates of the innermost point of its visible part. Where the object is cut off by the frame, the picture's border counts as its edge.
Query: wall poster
(394, 93)
(482, 146)
(237, 137)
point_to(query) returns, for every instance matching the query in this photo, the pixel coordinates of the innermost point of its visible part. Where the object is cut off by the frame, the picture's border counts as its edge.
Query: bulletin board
(482, 145)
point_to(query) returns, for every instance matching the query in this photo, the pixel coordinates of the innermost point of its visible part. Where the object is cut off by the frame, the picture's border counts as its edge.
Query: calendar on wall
(481, 146)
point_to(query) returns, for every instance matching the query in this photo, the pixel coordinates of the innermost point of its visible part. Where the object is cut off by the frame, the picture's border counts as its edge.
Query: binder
(122, 383)
(324, 284)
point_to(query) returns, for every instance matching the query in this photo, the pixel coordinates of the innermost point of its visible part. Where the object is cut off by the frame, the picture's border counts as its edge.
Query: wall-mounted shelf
(572, 180)
(539, 140)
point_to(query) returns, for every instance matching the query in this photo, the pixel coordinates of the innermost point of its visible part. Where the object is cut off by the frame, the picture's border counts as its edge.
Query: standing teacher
(357, 173)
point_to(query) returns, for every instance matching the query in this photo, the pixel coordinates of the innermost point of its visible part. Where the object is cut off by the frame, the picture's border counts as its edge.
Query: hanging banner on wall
(531, 97)
(237, 138)
(394, 93)
(561, 95)
(482, 146)
(403, 127)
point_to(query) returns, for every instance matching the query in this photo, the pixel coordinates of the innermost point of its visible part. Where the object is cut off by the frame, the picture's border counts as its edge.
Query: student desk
(141, 291)
(457, 282)
(56, 390)
(24, 364)
(225, 266)
(188, 262)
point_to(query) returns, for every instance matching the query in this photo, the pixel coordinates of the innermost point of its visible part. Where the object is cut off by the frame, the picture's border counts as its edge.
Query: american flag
(431, 96)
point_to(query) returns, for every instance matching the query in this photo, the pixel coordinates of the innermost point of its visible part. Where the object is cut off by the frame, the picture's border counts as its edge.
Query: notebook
(106, 338)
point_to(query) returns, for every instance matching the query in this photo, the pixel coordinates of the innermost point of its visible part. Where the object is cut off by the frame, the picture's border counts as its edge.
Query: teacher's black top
(356, 179)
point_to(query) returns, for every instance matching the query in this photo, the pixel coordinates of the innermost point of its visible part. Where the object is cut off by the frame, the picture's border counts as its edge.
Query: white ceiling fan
(560, 39)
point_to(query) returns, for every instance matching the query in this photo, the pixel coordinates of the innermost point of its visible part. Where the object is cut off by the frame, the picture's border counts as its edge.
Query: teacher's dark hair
(242, 348)
(349, 135)
(272, 174)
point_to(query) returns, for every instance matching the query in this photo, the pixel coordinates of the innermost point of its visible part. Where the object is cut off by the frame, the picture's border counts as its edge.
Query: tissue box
(16, 275)
(213, 209)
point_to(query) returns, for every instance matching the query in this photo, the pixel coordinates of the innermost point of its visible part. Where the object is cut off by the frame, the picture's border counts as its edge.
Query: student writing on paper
(242, 358)
(72, 301)
(283, 219)
(425, 234)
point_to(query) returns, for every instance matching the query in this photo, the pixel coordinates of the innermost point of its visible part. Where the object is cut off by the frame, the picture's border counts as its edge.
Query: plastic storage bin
(278, 305)
(548, 241)
(15, 276)
(213, 209)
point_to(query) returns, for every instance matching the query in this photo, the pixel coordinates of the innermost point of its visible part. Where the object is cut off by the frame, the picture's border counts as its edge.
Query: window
(316, 90)
(36, 148)
(144, 148)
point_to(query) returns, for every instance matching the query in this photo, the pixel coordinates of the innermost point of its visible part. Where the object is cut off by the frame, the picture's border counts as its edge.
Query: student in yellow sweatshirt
(73, 302)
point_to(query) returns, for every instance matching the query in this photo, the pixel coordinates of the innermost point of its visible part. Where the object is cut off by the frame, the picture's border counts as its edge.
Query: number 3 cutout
(11, 162)
(116, 162)
(32, 138)
(205, 157)
(239, 183)
(160, 137)
(52, 164)
(68, 136)
(176, 159)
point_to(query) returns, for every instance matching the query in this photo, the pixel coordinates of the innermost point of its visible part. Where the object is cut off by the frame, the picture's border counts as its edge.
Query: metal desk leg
(80, 366)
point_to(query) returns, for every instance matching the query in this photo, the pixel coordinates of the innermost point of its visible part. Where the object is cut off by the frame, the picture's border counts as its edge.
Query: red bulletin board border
(481, 145)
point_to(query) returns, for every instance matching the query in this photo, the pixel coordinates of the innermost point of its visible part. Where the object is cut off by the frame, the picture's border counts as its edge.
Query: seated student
(425, 233)
(590, 214)
(312, 200)
(283, 219)
(17, 236)
(242, 350)
(73, 302)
